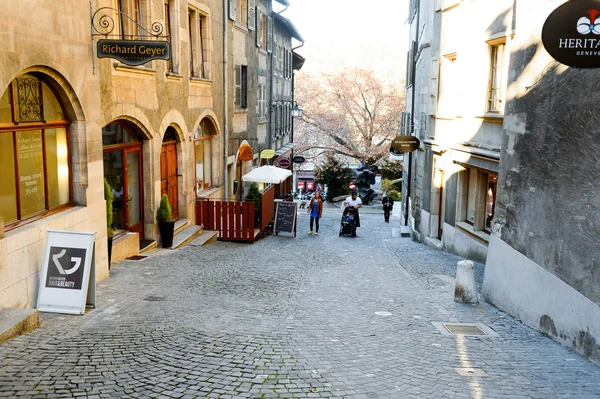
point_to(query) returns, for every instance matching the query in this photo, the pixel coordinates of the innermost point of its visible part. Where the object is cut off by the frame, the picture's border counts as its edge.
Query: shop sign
(310, 186)
(68, 281)
(402, 144)
(133, 52)
(284, 163)
(298, 159)
(571, 34)
(267, 153)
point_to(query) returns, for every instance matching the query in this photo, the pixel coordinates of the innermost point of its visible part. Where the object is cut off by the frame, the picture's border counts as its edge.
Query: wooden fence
(232, 220)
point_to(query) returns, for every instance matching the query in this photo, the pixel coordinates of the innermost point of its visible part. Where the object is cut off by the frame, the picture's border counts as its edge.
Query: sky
(351, 33)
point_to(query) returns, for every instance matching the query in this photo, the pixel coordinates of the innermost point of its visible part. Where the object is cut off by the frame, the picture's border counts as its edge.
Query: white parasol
(267, 174)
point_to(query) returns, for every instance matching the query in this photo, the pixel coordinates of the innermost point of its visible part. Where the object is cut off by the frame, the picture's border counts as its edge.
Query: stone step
(186, 235)
(204, 239)
(180, 224)
(17, 321)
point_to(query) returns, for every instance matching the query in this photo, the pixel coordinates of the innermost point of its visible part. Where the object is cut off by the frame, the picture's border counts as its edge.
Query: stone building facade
(460, 79)
(507, 157)
(69, 121)
(50, 139)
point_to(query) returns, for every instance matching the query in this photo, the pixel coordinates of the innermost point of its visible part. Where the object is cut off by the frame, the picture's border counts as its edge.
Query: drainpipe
(412, 115)
(294, 175)
(225, 102)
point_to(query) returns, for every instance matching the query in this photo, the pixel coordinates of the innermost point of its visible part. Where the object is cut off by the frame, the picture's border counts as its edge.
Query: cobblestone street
(305, 317)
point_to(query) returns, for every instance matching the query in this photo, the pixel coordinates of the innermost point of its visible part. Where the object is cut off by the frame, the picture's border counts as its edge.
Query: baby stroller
(349, 222)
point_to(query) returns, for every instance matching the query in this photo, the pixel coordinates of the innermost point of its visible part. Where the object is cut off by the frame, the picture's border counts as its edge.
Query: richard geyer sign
(571, 34)
(133, 52)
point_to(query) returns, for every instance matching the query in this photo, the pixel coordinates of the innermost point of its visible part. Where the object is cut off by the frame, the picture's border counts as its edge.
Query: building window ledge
(134, 69)
(492, 117)
(241, 28)
(174, 76)
(481, 236)
(201, 81)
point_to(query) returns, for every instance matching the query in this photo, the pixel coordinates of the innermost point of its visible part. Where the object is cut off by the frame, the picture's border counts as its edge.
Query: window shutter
(257, 27)
(434, 86)
(251, 14)
(238, 87)
(232, 10)
(270, 34)
(244, 88)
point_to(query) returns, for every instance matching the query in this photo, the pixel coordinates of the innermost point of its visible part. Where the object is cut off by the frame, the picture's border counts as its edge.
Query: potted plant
(166, 225)
(254, 196)
(108, 197)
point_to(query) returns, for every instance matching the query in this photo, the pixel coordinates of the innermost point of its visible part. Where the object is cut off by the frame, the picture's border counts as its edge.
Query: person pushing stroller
(351, 206)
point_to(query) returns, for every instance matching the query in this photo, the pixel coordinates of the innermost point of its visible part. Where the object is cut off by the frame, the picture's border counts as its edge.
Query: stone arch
(213, 118)
(62, 88)
(175, 120)
(131, 114)
(74, 113)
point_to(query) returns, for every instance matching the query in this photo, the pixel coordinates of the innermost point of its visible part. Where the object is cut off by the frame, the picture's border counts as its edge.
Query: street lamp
(296, 111)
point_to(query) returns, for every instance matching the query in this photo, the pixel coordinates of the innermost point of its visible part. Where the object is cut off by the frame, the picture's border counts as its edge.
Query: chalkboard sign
(285, 219)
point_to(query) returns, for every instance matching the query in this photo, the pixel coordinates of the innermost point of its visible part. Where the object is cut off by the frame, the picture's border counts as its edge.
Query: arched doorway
(168, 170)
(122, 149)
(34, 151)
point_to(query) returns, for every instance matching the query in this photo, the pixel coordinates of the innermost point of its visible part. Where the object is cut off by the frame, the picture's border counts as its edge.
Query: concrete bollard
(465, 290)
(396, 232)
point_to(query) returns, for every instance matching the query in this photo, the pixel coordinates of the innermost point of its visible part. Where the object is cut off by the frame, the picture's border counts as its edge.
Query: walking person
(315, 210)
(351, 204)
(388, 204)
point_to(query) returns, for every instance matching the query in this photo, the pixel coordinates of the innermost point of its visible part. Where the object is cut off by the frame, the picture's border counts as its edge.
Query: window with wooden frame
(478, 192)
(168, 31)
(130, 20)
(262, 101)
(34, 152)
(496, 84)
(242, 13)
(203, 155)
(241, 82)
(198, 25)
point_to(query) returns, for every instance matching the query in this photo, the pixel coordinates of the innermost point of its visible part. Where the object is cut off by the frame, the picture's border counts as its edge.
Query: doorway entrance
(122, 169)
(168, 170)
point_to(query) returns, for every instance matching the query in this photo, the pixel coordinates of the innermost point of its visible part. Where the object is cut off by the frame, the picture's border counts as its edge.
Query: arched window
(34, 151)
(203, 149)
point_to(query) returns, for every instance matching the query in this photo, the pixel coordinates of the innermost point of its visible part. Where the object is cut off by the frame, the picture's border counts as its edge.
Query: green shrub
(108, 196)
(254, 195)
(395, 195)
(163, 214)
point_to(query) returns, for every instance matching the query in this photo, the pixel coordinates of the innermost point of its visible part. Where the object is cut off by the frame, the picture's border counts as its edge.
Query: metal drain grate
(464, 329)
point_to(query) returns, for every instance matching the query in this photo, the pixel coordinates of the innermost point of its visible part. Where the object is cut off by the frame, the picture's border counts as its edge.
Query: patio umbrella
(267, 174)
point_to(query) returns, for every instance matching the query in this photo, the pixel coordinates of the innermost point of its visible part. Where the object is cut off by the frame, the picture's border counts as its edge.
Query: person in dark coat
(388, 204)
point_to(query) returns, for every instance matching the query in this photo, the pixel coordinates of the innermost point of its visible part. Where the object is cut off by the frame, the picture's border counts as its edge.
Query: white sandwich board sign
(68, 281)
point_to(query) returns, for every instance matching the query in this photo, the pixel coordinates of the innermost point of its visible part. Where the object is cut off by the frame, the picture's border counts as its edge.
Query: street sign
(267, 153)
(403, 144)
(298, 159)
(284, 163)
(569, 34)
(133, 52)
(68, 277)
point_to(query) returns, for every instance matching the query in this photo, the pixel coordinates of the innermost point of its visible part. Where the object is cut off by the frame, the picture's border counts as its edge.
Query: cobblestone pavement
(304, 317)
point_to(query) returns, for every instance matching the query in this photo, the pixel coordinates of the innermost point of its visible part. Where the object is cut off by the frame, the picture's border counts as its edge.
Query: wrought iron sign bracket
(109, 38)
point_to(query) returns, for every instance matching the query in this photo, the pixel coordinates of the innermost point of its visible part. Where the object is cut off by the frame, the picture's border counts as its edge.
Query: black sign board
(298, 159)
(285, 219)
(571, 34)
(133, 52)
(402, 144)
(65, 268)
